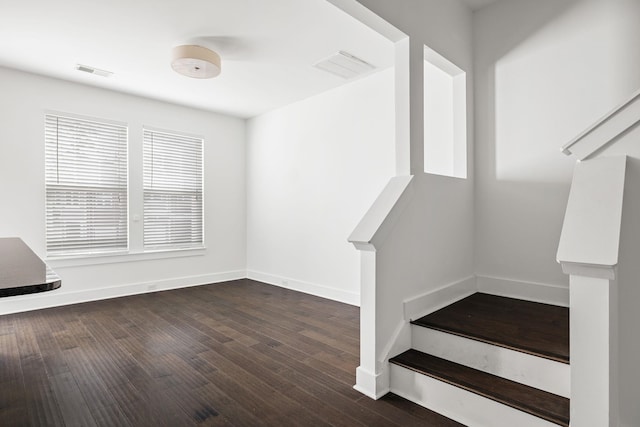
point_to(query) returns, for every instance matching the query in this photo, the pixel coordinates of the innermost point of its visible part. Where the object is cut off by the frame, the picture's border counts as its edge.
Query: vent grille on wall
(93, 70)
(345, 65)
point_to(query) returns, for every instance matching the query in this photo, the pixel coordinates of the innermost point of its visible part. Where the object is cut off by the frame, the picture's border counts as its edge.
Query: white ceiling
(478, 4)
(267, 47)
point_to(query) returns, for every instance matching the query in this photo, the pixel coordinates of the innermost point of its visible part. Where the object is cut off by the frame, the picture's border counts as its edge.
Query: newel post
(372, 376)
(594, 347)
(588, 253)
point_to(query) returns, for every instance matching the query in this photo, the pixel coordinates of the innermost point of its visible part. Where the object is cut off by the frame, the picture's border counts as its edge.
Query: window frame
(135, 194)
(449, 156)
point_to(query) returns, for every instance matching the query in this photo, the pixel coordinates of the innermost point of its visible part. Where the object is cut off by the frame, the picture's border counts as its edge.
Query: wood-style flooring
(239, 353)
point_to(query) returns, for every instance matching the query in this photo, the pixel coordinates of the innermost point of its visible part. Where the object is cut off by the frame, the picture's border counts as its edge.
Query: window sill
(121, 257)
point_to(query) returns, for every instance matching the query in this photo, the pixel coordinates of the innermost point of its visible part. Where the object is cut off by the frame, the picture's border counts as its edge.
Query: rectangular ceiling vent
(345, 65)
(93, 70)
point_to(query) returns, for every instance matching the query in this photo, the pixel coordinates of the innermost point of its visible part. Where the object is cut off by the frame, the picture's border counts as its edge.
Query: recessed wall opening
(445, 116)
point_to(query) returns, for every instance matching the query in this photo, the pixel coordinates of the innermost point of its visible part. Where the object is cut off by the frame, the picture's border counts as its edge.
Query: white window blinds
(86, 186)
(172, 190)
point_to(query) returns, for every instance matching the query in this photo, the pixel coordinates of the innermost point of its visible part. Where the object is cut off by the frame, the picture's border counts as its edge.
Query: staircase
(488, 360)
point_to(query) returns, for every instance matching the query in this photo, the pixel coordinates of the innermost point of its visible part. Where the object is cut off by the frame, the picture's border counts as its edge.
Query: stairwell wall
(545, 70)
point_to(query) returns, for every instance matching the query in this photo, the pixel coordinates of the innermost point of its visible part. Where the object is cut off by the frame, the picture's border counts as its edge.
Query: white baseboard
(431, 301)
(370, 384)
(421, 305)
(530, 291)
(59, 297)
(306, 287)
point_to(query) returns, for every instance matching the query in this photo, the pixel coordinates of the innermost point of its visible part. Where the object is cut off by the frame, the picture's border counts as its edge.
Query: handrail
(379, 219)
(606, 129)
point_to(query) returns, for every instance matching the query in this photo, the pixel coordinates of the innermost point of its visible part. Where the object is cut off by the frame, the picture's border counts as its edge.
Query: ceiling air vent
(92, 70)
(345, 65)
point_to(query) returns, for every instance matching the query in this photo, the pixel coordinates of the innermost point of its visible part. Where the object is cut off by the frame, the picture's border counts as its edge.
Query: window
(172, 190)
(86, 186)
(445, 116)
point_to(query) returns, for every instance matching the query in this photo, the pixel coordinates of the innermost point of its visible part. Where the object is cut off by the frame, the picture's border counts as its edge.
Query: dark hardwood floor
(240, 353)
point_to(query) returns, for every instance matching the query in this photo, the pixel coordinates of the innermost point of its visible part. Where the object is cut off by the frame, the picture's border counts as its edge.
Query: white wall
(545, 70)
(314, 168)
(26, 97)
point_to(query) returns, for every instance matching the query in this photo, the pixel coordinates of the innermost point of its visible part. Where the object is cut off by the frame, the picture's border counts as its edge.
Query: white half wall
(545, 71)
(432, 242)
(26, 97)
(430, 247)
(314, 168)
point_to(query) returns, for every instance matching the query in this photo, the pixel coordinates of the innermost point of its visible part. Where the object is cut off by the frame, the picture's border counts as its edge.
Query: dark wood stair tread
(536, 402)
(529, 327)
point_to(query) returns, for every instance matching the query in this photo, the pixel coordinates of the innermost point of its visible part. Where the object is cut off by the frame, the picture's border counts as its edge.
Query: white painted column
(402, 84)
(594, 351)
(371, 379)
(416, 105)
(372, 376)
(588, 253)
(403, 109)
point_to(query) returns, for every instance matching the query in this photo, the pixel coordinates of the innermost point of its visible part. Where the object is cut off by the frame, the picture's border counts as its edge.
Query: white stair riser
(458, 404)
(538, 372)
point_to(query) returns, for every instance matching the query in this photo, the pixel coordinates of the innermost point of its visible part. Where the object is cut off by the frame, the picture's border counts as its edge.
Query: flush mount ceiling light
(195, 61)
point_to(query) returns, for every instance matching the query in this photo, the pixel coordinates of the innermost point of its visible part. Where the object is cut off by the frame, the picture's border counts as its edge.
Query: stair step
(542, 404)
(538, 372)
(525, 326)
